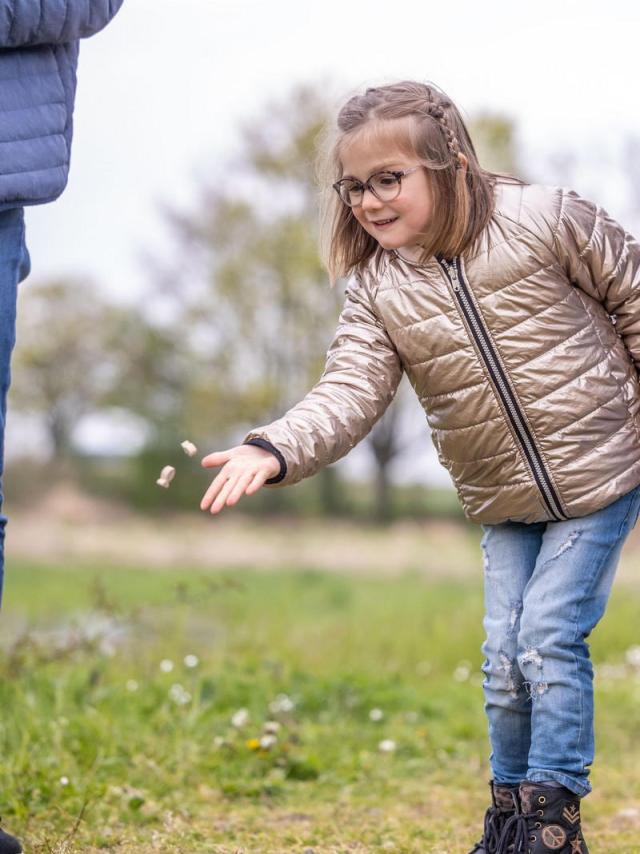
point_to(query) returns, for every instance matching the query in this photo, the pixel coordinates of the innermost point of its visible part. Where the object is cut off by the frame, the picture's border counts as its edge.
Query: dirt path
(68, 526)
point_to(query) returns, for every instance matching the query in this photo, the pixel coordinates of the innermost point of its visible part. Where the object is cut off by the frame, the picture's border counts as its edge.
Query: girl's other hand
(245, 469)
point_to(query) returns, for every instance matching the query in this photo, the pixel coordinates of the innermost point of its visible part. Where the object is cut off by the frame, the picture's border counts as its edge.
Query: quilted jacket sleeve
(359, 381)
(604, 261)
(24, 23)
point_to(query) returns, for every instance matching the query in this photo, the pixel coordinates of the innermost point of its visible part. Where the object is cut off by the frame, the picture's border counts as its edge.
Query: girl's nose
(369, 201)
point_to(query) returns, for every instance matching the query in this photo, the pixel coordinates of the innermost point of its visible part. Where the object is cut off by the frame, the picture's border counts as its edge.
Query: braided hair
(437, 111)
(422, 121)
(403, 99)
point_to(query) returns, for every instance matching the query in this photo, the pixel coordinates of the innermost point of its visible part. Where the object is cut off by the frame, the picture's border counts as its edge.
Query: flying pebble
(166, 476)
(189, 448)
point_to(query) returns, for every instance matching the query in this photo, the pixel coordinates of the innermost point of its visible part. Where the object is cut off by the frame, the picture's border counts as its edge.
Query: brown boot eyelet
(538, 824)
(532, 838)
(542, 799)
(540, 812)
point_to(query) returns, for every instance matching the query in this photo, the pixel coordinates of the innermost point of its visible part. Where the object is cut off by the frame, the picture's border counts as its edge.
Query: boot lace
(515, 837)
(494, 821)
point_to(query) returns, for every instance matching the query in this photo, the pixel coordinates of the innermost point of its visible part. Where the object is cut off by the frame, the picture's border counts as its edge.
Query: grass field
(134, 705)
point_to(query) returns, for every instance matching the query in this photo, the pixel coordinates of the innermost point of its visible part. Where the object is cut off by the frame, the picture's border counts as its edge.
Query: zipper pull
(453, 270)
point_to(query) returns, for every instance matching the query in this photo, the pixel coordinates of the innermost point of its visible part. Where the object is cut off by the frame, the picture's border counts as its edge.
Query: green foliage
(494, 138)
(333, 667)
(79, 353)
(254, 295)
(132, 481)
(60, 368)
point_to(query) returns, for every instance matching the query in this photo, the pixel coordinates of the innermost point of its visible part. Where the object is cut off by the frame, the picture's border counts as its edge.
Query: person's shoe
(548, 820)
(9, 844)
(504, 800)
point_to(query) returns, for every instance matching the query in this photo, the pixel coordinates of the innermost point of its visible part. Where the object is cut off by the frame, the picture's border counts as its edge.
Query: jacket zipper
(453, 271)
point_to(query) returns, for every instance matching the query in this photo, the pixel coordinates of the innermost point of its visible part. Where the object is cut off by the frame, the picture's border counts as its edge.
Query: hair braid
(436, 109)
(432, 107)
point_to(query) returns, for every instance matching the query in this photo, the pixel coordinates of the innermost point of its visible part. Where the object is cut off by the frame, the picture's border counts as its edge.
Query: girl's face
(411, 211)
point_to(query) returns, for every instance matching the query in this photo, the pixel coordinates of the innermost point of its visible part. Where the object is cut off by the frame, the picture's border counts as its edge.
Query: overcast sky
(162, 88)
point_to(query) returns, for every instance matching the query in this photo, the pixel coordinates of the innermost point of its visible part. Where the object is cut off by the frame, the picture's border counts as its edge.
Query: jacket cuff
(267, 446)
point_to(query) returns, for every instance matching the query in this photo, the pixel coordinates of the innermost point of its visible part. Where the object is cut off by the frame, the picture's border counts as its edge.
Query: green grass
(154, 767)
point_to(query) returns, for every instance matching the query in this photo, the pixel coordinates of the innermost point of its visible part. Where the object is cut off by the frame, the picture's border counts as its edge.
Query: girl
(514, 309)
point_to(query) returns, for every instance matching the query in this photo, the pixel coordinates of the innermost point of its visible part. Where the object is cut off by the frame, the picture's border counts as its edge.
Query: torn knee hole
(507, 666)
(573, 536)
(531, 656)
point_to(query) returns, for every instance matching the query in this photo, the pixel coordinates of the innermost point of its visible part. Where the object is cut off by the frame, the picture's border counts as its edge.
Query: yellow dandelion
(253, 743)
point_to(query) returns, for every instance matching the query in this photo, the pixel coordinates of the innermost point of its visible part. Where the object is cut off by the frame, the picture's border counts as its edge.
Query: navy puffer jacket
(38, 60)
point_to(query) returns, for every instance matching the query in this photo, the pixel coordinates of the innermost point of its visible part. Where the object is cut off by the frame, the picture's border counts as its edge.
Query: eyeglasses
(384, 186)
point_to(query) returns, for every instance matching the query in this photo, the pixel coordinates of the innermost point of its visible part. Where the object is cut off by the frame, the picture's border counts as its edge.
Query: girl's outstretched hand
(245, 469)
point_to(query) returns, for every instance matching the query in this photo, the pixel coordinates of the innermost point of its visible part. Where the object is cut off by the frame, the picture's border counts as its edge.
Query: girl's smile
(387, 223)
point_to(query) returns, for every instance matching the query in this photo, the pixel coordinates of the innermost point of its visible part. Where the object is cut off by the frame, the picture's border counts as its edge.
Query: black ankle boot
(9, 844)
(548, 820)
(504, 799)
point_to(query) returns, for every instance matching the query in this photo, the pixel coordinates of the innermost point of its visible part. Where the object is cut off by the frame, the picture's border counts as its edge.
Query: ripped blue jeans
(546, 587)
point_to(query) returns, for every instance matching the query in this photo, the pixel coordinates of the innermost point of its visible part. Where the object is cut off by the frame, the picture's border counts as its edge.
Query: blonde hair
(421, 121)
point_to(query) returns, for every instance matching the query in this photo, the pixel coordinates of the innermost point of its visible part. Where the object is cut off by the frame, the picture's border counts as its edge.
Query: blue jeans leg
(14, 267)
(546, 588)
(509, 553)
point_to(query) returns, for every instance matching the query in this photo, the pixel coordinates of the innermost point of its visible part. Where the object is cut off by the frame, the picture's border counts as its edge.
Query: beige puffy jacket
(524, 352)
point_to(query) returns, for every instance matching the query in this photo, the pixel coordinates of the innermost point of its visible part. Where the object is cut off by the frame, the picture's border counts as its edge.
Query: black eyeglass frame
(398, 174)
